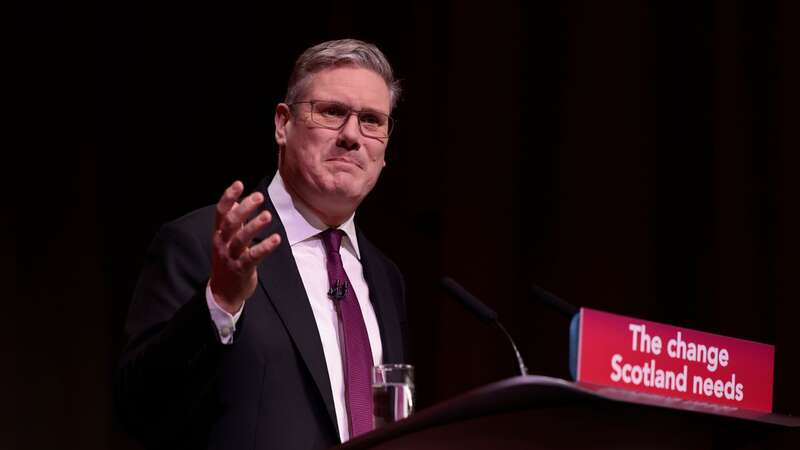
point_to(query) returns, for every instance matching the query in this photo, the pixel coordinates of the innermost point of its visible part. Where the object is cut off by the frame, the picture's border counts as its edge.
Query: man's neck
(329, 217)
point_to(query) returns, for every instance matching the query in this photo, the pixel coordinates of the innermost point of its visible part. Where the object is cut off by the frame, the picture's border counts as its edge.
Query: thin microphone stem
(483, 312)
(522, 369)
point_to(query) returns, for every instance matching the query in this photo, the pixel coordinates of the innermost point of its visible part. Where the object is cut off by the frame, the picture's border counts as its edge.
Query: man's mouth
(346, 160)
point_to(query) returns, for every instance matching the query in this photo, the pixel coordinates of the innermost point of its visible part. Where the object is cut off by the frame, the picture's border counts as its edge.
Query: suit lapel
(383, 300)
(279, 277)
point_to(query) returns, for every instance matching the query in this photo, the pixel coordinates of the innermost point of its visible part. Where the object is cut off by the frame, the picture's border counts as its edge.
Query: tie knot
(332, 239)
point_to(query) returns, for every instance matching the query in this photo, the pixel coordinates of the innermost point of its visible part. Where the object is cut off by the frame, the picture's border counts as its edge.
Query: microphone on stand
(548, 298)
(483, 312)
(570, 311)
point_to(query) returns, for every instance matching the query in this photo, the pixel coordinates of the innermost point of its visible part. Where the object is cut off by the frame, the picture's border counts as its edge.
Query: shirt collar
(301, 223)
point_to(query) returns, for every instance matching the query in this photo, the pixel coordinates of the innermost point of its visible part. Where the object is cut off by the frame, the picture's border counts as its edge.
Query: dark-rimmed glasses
(333, 115)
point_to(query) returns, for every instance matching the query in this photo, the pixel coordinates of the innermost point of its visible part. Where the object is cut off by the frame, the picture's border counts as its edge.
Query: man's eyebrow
(373, 110)
(367, 109)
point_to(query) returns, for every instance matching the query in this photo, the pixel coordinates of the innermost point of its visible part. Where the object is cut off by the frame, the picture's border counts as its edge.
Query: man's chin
(348, 185)
(347, 194)
(345, 188)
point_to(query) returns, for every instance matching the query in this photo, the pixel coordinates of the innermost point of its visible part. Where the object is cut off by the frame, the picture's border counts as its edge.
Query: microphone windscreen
(469, 301)
(554, 302)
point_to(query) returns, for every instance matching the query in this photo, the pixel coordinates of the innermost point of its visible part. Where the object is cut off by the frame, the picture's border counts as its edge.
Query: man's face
(332, 170)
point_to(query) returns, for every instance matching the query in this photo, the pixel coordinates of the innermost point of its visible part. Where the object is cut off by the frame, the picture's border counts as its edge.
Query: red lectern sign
(643, 356)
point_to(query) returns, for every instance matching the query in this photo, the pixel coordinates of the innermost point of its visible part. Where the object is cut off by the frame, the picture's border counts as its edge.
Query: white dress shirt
(302, 230)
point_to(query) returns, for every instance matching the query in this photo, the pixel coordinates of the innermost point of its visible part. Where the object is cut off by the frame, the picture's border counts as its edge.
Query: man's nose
(350, 133)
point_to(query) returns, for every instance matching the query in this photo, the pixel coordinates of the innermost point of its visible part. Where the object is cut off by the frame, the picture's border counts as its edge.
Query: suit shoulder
(198, 223)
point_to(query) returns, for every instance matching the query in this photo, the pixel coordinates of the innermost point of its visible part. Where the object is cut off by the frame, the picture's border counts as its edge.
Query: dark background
(637, 157)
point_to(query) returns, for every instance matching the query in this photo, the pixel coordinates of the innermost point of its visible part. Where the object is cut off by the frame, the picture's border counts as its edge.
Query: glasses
(334, 115)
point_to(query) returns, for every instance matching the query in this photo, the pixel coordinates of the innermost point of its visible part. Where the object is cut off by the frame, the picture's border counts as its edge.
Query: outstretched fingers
(232, 221)
(252, 256)
(242, 238)
(228, 200)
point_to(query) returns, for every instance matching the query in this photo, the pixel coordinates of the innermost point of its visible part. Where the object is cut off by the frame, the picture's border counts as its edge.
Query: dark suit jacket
(178, 387)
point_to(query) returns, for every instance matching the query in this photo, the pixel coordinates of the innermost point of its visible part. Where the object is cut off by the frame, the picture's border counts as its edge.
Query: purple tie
(357, 352)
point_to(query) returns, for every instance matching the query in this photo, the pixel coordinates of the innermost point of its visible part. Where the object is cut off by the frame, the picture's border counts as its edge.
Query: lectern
(535, 412)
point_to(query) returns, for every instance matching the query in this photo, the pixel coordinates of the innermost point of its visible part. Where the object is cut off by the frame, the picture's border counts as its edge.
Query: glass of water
(392, 393)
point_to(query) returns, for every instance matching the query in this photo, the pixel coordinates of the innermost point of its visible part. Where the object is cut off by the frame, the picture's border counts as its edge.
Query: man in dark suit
(255, 321)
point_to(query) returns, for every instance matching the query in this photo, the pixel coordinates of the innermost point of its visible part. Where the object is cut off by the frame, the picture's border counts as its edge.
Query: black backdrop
(636, 157)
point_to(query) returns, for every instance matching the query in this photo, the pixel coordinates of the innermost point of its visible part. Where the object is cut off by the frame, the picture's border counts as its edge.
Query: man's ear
(282, 115)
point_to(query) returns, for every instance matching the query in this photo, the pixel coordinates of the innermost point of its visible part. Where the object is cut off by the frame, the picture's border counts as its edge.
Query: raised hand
(233, 260)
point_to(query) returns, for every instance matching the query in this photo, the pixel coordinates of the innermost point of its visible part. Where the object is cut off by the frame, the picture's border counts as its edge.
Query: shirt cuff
(223, 320)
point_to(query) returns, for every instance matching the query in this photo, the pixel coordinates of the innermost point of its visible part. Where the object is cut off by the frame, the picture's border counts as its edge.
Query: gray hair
(343, 52)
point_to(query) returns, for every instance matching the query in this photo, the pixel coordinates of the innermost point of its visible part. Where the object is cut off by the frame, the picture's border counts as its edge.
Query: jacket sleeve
(164, 385)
